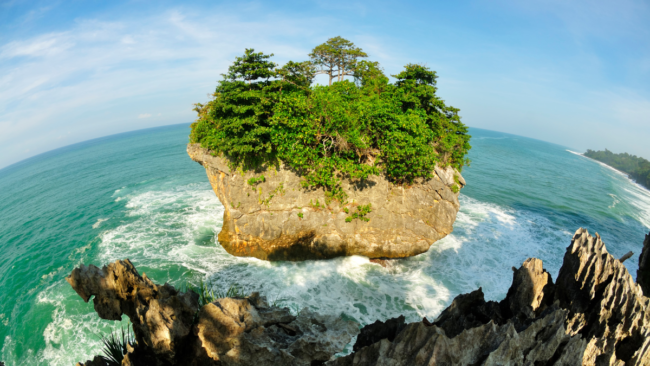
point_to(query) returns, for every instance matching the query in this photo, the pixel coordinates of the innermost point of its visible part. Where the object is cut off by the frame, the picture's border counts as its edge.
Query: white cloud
(48, 45)
(128, 40)
(94, 77)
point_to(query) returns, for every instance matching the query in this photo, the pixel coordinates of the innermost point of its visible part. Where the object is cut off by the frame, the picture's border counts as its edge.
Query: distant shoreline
(626, 159)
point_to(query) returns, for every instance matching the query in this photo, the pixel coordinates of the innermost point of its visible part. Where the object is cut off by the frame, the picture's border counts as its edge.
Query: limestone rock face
(249, 332)
(161, 316)
(531, 291)
(170, 328)
(594, 315)
(606, 307)
(277, 219)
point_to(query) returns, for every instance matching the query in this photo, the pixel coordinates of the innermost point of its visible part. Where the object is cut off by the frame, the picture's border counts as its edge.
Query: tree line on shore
(638, 168)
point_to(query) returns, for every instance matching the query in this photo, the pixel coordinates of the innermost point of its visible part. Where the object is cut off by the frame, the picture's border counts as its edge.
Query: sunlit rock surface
(279, 220)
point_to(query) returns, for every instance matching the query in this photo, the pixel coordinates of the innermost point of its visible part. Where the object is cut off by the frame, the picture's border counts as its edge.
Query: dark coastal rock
(97, 361)
(379, 330)
(531, 293)
(487, 344)
(277, 219)
(170, 328)
(384, 262)
(594, 315)
(606, 307)
(465, 312)
(643, 273)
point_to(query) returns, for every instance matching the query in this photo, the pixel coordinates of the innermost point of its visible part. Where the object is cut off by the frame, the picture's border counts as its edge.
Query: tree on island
(337, 58)
(264, 114)
(251, 66)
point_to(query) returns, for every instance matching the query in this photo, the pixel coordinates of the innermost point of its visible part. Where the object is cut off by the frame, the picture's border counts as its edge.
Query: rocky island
(369, 168)
(308, 171)
(592, 314)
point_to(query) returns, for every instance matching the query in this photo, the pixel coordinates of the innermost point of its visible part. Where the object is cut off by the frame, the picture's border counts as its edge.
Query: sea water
(139, 196)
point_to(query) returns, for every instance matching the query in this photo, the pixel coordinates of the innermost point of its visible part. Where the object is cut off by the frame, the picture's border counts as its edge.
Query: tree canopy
(262, 113)
(337, 58)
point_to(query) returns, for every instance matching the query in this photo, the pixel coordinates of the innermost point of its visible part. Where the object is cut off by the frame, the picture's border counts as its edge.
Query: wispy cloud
(583, 65)
(93, 77)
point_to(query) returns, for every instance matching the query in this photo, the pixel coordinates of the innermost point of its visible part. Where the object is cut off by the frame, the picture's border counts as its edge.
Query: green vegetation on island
(638, 168)
(262, 114)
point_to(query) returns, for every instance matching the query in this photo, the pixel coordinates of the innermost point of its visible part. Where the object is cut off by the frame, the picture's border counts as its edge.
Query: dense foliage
(262, 113)
(638, 168)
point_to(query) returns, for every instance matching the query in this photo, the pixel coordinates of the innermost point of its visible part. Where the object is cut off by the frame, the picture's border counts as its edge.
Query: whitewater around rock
(595, 314)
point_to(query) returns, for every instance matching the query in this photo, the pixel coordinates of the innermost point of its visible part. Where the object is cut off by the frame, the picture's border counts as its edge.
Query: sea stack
(269, 215)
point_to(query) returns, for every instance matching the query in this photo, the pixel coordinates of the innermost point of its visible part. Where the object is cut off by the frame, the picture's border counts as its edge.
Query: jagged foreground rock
(262, 220)
(643, 273)
(594, 315)
(170, 329)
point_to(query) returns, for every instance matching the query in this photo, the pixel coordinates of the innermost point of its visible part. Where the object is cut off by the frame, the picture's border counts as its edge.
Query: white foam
(166, 223)
(637, 195)
(178, 227)
(99, 222)
(616, 200)
(640, 200)
(488, 239)
(71, 336)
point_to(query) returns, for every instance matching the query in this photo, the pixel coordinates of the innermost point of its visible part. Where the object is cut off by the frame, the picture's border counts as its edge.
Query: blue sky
(576, 73)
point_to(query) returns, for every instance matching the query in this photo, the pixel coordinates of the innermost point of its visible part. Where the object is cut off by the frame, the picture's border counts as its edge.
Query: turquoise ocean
(138, 195)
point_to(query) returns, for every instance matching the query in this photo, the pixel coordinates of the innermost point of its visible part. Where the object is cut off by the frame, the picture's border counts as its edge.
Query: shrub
(208, 294)
(256, 180)
(115, 346)
(361, 213)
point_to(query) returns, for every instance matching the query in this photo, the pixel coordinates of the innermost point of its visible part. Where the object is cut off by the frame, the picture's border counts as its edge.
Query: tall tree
(337, 58)
(251, 66)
